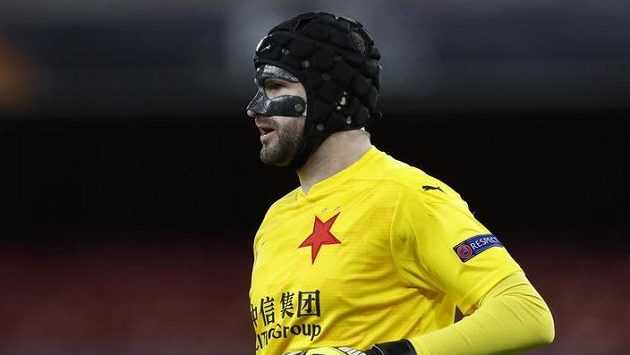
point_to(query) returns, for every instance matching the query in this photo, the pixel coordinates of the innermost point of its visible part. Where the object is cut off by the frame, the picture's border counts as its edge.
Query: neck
(336, 153)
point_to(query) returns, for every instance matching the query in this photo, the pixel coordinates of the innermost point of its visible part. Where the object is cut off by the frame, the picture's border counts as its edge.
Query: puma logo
(429, 187)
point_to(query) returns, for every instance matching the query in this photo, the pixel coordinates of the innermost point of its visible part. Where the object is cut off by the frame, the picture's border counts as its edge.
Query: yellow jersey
(378, 252)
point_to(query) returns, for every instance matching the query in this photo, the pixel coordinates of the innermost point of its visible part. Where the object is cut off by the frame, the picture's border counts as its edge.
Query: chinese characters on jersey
(277, 314)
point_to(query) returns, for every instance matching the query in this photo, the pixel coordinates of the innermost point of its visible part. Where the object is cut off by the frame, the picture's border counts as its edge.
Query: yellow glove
(329, 350)
(400, 347)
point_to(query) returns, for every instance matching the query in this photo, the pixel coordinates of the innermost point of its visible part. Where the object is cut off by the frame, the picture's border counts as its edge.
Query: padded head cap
(336, 61)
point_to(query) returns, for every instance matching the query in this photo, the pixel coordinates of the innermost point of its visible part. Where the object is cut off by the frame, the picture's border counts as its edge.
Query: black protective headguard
(336, 61)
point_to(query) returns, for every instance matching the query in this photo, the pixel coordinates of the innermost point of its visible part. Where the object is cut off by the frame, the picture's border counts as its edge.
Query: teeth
(264, 130)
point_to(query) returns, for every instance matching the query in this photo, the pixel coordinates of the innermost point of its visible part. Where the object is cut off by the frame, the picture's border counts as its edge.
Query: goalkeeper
(368, 255)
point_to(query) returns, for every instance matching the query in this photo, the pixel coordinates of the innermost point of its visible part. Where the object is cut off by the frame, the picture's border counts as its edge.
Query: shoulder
(284, 202)
(407, 178)
(275, 212)
(413, 185)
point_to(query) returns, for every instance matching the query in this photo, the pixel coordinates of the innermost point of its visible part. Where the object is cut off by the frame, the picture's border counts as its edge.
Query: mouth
(265, 126)
(265, 130)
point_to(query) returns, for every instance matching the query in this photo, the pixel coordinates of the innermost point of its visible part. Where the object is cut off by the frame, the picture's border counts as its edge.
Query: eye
(273, 85)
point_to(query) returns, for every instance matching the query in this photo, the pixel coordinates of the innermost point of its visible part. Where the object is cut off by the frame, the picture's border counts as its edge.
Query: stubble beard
(288, 141)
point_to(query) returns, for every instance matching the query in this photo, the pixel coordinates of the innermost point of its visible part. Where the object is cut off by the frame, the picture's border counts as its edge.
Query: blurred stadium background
(130, 188)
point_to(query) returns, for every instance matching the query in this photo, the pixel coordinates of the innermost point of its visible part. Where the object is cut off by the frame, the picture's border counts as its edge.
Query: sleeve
(511, 317)
(440, 247)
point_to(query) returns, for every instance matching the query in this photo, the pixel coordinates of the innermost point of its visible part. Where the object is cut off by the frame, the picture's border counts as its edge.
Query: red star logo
(321, 235)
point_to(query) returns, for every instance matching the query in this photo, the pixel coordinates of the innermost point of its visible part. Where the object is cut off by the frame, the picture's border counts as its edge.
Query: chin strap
(306, 148)
(400, 347)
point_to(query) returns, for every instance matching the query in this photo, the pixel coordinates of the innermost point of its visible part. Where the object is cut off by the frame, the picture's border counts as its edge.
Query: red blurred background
(187, 299)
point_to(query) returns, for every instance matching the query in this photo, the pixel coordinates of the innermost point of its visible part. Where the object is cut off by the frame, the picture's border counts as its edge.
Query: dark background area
(521, 169)
(130, 185)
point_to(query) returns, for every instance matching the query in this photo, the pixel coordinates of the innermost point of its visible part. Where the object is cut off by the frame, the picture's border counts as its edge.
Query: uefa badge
(464, 252)
(473, 246)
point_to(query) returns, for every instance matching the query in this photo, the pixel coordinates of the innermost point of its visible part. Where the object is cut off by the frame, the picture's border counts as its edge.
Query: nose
(251, 113)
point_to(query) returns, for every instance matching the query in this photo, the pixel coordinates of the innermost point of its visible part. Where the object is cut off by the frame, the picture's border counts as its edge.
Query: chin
(274, 159)
(273, 162)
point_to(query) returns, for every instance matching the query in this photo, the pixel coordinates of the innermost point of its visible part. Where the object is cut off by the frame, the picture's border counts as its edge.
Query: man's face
(281, 136)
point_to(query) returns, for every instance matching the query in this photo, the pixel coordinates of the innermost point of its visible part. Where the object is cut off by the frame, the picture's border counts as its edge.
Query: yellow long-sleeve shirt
(511, 317)
(378, 252)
